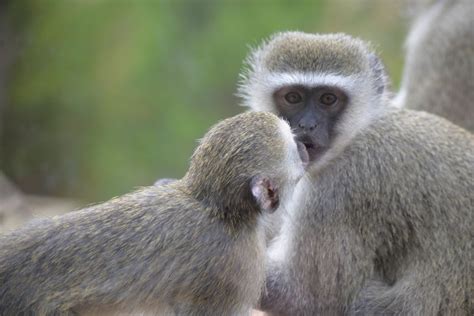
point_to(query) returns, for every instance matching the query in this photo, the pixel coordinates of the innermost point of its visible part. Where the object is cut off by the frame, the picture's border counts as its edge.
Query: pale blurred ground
(17, 208)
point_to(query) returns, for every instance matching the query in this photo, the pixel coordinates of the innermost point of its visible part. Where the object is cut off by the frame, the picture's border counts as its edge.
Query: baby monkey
(192, 247)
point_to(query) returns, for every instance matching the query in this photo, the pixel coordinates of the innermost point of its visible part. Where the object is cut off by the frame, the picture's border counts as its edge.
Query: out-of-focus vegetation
(103, 96)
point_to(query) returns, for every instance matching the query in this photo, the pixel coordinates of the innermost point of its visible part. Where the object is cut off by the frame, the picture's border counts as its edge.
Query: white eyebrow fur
(260, 96)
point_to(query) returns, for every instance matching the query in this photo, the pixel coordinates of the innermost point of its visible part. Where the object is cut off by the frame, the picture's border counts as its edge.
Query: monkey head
(251, 161)
(328, 87)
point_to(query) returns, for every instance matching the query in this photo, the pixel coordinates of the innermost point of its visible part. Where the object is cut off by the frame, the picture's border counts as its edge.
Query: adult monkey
(383, 222)
(439, 70)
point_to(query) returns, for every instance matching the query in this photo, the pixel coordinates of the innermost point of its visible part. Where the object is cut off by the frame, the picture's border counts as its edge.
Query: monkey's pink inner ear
(265, 193)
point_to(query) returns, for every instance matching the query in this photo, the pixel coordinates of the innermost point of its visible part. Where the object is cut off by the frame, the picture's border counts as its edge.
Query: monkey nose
(307, 128)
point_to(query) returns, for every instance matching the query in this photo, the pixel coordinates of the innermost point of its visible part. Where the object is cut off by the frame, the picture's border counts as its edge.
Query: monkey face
(312, 113)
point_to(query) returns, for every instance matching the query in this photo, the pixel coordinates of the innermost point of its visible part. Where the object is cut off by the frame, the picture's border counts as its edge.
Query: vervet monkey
(383, 221)
(439, 67)
(194, 246)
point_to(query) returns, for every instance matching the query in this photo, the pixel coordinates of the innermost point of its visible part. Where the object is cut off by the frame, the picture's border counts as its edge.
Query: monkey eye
(293, 97)
(328, 99)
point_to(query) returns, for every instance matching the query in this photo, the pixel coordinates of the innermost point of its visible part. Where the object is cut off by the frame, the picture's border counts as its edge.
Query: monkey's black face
(312, 113)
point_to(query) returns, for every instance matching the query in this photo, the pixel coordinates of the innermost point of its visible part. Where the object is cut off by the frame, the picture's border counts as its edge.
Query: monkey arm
(421, 290)
(307, 283)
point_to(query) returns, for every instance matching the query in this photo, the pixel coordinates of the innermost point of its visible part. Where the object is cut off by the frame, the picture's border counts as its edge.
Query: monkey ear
(265, 193)
(381, 79)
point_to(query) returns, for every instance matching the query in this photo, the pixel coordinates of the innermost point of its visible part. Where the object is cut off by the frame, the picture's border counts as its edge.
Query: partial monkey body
(191, 247)
(382, 223)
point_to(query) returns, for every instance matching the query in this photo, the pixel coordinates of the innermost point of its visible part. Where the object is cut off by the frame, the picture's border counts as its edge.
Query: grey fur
(386, 228)
(311, 53)
(439, 70)
(386, 225)
(194, 245)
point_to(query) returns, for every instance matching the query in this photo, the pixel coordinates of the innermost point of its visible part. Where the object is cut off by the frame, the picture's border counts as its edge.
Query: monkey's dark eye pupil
(328, 99)
(293, 97)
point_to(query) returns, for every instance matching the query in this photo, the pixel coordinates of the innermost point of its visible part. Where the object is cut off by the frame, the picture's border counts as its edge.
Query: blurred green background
(99, 97)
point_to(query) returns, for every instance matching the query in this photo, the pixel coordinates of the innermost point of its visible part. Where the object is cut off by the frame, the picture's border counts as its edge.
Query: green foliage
(108, 95)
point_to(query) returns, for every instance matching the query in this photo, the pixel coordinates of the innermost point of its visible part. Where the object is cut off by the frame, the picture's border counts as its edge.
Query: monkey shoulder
(414, 148)
(411, 126)
(414, 134)
(405, 163)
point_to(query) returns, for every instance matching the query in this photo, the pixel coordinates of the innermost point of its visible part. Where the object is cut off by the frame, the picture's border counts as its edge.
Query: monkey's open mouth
(314, 151)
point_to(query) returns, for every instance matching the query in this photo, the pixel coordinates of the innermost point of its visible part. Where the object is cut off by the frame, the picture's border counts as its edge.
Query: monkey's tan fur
(193, 247)
(439, 66)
